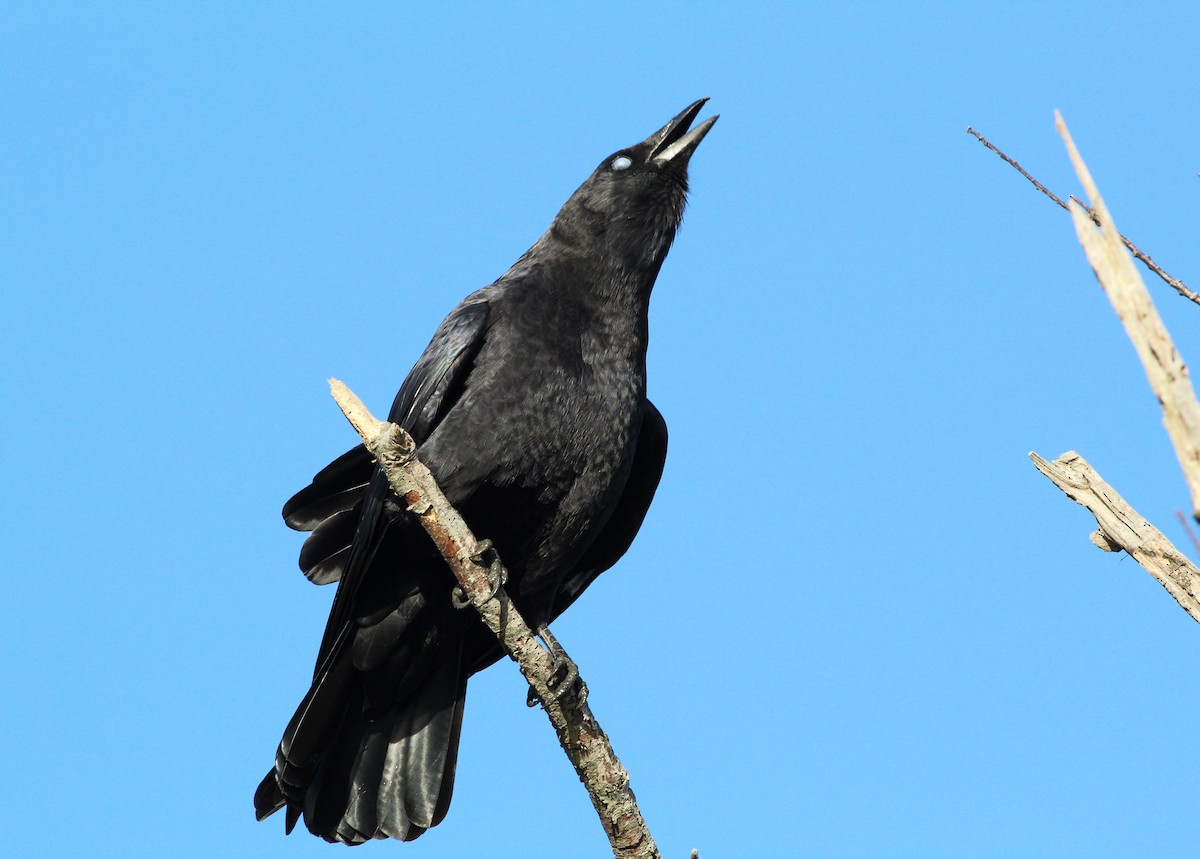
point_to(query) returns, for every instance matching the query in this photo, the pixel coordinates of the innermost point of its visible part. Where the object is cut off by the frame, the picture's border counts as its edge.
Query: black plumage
(529, 406)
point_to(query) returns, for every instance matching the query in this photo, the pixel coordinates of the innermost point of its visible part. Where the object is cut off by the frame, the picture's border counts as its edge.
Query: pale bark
(1123, 529)
(1165, 369)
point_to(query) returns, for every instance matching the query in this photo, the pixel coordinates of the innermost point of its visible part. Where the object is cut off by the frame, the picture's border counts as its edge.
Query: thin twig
(1176, 284)
(579, 733)
(1187, 529)
(1018, 167)
(1165, 369)
(1123, 529)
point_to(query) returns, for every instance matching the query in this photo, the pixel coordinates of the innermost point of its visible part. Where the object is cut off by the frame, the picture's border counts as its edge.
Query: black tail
(355, 774)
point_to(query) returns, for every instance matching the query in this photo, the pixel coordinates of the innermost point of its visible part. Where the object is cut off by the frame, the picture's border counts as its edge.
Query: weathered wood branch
(1165, 369)
(580, 735)
(1122, 529)
(1174, 282)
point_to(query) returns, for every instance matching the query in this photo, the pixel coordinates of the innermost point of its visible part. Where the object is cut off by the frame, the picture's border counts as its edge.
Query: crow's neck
(611, 293)
(620, 270)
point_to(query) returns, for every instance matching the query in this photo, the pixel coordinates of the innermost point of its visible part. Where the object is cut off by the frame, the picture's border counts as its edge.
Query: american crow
(529, 406)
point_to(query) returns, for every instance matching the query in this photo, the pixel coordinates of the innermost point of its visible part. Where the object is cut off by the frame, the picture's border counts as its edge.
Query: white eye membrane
(621, 162)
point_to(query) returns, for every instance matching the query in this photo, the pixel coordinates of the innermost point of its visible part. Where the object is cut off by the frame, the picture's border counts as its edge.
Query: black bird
(529, 406)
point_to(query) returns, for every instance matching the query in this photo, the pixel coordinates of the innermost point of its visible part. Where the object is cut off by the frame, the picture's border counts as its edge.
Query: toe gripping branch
(565, 678)
(485, 555)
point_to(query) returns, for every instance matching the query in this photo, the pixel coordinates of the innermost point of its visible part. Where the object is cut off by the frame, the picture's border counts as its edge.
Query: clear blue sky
(856, 622)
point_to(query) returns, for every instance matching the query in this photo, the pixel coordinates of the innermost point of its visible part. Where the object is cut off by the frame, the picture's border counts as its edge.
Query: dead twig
(579, 733)
(1123, 529)
(1176, 284)
(1187, 529)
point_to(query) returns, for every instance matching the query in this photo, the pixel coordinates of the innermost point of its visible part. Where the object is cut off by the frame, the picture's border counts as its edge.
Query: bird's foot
(496, 572)
(564, 678)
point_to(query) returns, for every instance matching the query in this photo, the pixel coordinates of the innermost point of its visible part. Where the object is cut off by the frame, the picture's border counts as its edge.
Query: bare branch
(1018, 167)
(1122, 529)
(1175, 283)
(579, 733)
(1165, 370)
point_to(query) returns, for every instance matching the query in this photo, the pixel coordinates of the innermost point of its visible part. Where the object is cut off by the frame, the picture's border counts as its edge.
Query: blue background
(856, 622)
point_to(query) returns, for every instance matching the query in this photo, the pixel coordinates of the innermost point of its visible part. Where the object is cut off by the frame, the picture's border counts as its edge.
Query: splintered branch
(1175, 283)
(579, 733)
(1122, 529)
(1165, 369)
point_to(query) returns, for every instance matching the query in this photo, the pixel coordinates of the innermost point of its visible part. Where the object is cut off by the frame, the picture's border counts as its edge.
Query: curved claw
(459, 598)
(564, 678)
(497, 574)
(569, 684)
(497, 577)
(569, 672)
(481, 548)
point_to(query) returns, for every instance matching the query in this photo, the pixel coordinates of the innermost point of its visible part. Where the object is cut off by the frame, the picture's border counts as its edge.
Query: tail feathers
(268, 799)
(318, 717)
(315, 721)
(390, 776)
(329, 802)
(360, 813)
(418, 772)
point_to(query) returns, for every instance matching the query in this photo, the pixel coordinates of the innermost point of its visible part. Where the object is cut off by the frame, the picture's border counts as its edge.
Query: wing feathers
(336, 487)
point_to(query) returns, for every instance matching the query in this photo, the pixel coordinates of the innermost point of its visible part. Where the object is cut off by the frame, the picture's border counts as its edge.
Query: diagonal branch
(1174, 282)
(579, 733)
(1165, 369)
(1121, 528)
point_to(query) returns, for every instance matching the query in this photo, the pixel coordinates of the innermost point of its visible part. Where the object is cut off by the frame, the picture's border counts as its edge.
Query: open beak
(673, 142)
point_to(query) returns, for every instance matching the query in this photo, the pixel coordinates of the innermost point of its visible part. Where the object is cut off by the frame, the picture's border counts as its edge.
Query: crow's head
(634, 200)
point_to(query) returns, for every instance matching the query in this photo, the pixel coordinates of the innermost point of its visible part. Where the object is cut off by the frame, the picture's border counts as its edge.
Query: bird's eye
(621, 162)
